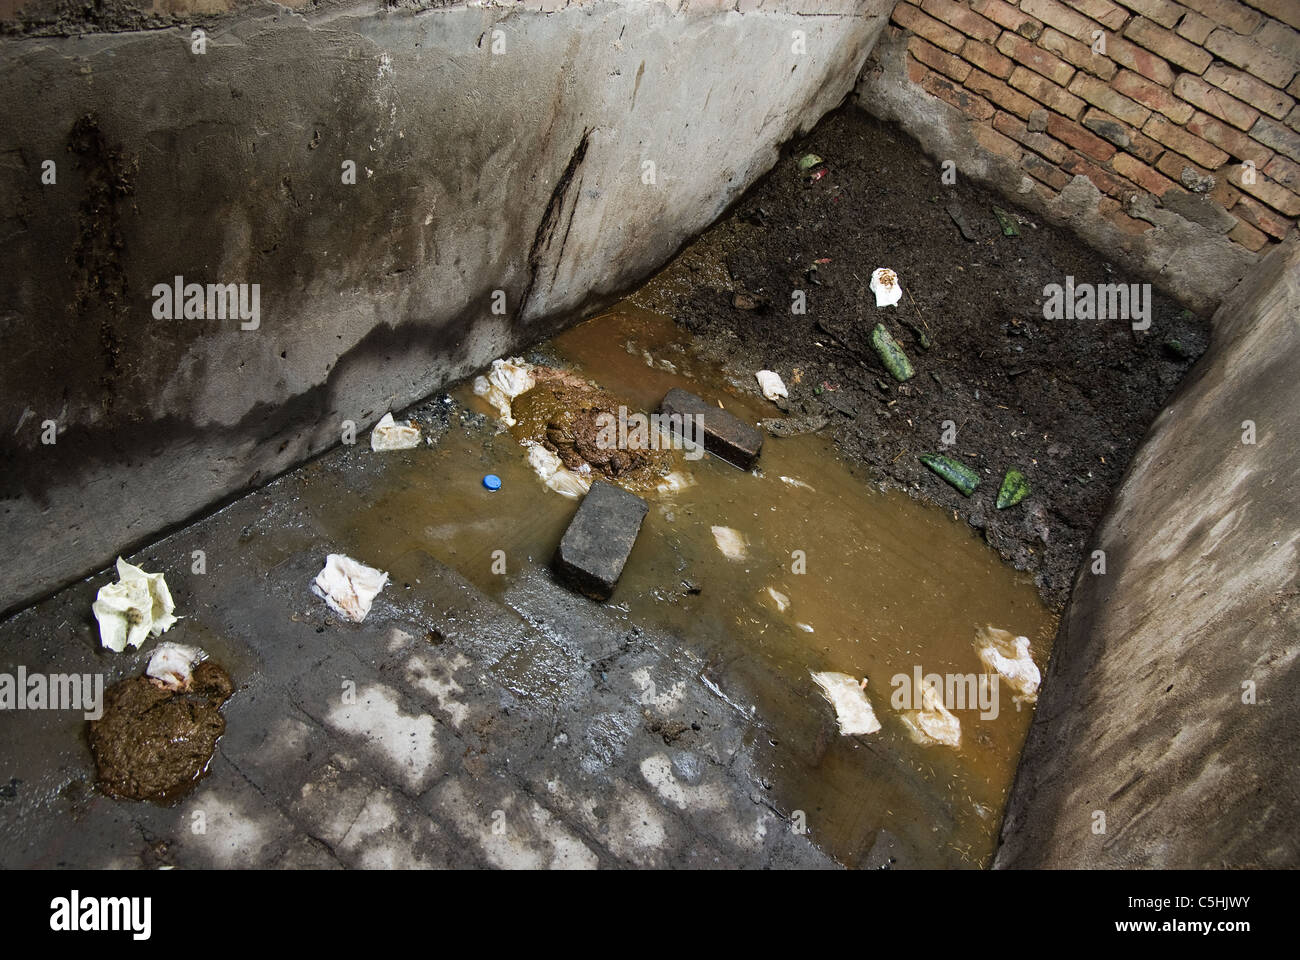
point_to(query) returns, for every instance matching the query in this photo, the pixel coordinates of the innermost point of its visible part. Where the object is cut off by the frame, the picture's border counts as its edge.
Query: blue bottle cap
(492, 482)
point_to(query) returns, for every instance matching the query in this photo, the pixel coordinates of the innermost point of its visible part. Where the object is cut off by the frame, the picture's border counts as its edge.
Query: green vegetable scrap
(1014, 489)
(1009, 226)
(891, 354)
(809, 160)
(954, 471)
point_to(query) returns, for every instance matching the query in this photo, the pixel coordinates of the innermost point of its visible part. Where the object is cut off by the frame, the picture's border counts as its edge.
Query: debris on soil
(1014, 489)
(747, 301)
(962, 477)
(884, 284)
(153, 743)
(139, 605)
(891, 354)
(1010, 228)
(388, 434)
(492, 482)
(918, 329)
(933, 723)
(808, 161)
(731, 542)
(959, 217)
(349, 587)
(769, 381)
(172, 665)
(596, 545)
(1054, 397)
(793, 426)
(852, 708)
(1008, 656)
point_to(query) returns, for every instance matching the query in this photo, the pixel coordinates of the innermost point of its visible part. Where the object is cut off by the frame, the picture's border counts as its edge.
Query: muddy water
(877, 586)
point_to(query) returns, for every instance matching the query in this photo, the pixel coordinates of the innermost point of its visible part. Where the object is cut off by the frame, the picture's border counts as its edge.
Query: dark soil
(1066, 401)
(154, 744)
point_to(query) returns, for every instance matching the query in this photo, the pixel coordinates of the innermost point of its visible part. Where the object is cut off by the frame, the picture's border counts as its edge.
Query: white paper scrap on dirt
(884, 284)
(172, 664)
(391, 435)
(506, 380)
(771, 384)
(139, 605)
(852, 708)
(348, 587)
(730, 542)
(1008, 657)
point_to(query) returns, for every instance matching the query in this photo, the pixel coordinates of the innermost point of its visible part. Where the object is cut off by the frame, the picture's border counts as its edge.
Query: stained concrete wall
(1170, 703)
(523, 170)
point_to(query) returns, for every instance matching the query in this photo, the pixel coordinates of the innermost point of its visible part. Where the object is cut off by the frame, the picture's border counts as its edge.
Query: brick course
(1169, 45)
(1164, 12)
(1183, 87)
(1035, 58)
(1213, 100)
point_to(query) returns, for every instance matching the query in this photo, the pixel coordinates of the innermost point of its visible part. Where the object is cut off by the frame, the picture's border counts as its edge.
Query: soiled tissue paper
(348, 587)
(139, 605)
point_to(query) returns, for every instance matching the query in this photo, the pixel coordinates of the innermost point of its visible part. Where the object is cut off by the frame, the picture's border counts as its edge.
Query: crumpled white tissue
(348, 587)
(172, 664)
(852, 708)
(884, 284)
(771, 384)
(548, 465)
(730, 542)
(139, 605)
(933, 723)
(506, 380)
(1008, 657)
(391, 435)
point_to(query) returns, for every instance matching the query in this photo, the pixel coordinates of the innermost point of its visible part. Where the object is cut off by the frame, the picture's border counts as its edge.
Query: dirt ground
(1066, 401)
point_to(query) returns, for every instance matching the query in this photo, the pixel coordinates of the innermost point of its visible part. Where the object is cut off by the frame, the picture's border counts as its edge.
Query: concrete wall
(1171, 699)
(522, 171)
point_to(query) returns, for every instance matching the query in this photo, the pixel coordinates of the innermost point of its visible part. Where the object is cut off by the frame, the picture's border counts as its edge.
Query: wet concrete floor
(677, 725)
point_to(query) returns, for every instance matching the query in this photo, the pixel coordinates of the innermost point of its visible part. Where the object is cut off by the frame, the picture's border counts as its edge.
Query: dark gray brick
(725, 436)
(593, 550)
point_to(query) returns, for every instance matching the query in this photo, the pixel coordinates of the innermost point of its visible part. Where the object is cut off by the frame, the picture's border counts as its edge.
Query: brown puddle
(891, 585)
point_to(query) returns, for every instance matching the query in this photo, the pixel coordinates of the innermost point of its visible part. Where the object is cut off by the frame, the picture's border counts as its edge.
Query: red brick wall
(1192, 88)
